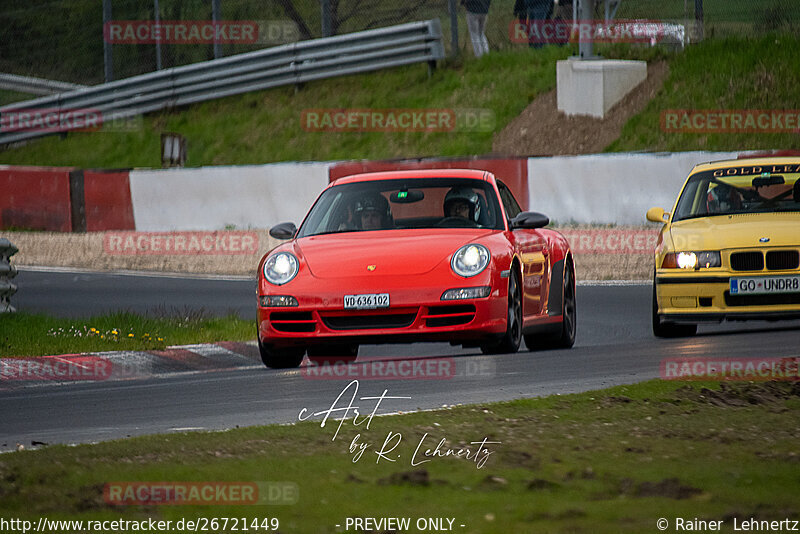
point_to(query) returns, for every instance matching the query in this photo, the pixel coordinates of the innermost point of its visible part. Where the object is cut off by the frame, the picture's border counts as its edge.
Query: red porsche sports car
(405, 256)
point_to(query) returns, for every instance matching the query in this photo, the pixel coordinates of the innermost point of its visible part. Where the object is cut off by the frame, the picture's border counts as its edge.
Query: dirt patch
(520, 459)
(669, 488)
(493, 482)
(542, 130)
(90, 498)
(541, 484)
(420, 477)
(744, 394)
(569, 513)
(616, 399)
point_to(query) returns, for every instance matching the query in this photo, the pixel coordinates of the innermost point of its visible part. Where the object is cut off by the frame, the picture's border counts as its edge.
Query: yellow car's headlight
(692, 260)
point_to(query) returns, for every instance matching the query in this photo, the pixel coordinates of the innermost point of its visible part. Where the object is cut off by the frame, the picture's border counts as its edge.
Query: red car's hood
(392, 252)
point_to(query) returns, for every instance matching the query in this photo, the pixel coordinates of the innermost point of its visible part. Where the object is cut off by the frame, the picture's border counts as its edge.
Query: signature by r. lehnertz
(476, 451)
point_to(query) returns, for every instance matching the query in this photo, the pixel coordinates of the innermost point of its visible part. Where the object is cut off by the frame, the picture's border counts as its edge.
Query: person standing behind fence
(477, 12)
(532, 12)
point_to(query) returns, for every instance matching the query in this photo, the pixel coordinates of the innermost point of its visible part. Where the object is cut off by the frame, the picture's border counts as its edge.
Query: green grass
(8, 97)
(262, 127)
(611, 461)
(265, 126)
(720, 74)
(26, 334)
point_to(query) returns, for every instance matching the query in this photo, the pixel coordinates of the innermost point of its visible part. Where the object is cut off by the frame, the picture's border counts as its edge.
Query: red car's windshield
(401, 204)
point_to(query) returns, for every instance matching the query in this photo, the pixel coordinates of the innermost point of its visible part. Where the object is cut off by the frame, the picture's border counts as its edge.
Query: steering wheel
(457, 222)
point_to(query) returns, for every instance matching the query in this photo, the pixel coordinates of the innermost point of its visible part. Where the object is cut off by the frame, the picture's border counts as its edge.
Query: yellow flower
(130, 335)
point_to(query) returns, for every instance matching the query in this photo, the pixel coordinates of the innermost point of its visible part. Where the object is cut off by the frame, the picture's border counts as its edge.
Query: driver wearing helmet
(723, 199)
(462, 202)
(372, 212)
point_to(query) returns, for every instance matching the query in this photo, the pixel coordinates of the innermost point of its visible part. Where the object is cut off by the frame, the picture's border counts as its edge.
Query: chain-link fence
(67, 39)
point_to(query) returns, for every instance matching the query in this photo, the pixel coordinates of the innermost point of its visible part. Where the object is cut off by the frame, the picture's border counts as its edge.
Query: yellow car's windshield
(720, 192)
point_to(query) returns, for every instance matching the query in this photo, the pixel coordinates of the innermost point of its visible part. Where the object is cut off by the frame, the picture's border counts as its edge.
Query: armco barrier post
(7, 272)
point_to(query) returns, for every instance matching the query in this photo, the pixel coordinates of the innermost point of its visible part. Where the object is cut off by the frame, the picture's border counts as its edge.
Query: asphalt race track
(614, 346)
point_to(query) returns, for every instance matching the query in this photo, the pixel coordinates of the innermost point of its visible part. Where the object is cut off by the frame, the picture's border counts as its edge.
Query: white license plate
(765, 285)
(368, 301)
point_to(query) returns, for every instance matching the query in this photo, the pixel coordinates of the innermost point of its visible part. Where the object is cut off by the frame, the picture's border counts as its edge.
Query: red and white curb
(127, 365)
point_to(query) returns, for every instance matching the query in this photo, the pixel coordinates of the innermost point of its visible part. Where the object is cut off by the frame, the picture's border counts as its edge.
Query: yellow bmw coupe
(730, 248)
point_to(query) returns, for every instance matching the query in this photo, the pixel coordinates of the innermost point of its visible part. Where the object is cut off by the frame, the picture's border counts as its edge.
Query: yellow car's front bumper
(698, 296)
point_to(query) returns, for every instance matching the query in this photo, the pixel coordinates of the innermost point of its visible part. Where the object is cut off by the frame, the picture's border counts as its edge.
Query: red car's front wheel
(281, 358)
(511, 340)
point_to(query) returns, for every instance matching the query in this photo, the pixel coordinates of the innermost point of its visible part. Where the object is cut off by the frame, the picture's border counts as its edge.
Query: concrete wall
(610, 188)
(211, 198)
(35, 198)
(605, 189)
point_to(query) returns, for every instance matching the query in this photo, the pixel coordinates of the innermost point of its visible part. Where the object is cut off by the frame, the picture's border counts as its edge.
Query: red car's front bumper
(415, 314)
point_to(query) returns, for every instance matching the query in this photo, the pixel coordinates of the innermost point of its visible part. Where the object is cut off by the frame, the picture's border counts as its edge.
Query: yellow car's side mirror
(657, 215)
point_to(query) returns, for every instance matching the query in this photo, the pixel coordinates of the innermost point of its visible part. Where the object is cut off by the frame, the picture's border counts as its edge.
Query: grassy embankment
(722, 74)
(734, 73)
(614, 460)
(266, 126)
(25, 334)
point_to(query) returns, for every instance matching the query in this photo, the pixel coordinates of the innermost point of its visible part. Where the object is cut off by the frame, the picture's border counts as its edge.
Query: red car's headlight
(280, 268)
(470, 260)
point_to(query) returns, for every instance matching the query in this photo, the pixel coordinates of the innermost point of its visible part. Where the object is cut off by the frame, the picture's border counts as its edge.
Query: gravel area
(87, 251)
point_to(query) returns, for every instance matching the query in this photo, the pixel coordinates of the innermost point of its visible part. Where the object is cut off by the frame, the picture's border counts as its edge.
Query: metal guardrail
(35, 86)
(289, 64)
(7, 272)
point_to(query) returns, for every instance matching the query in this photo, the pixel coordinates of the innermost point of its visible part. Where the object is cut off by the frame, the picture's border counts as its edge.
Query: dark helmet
(464, 194)
(723, 199)
(373, 202)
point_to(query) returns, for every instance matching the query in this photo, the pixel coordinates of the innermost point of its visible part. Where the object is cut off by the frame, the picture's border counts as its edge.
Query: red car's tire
(569, 312)
(512, 339)
(281, 358)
